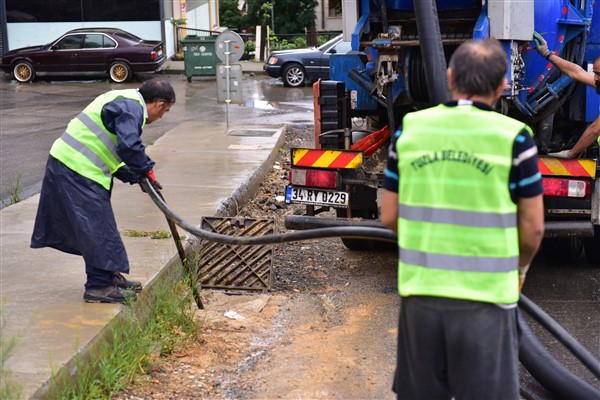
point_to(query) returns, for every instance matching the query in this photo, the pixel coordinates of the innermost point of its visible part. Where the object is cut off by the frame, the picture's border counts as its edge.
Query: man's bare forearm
(572, 70)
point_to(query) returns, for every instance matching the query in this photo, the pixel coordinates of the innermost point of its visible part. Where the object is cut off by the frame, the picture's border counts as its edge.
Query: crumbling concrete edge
(231, 205)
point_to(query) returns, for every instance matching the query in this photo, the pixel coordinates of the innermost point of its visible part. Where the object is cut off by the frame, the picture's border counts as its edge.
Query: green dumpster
(199, 56)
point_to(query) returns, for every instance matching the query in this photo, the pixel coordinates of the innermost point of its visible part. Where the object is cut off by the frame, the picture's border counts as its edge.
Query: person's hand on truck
(566, 154)
(541, 45)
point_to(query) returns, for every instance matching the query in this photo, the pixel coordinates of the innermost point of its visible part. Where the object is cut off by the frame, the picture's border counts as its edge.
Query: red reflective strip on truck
(556, 166)
(343, 160)
(318, 158)
(309, 158)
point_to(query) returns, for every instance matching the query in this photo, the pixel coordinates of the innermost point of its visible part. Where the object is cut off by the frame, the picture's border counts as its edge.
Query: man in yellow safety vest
(74, 213)
(463, 191)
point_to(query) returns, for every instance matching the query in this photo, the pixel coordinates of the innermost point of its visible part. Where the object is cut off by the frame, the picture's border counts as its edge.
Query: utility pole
(273, 15)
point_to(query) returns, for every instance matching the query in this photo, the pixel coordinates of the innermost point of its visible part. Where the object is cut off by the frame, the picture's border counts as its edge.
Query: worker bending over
(74, 213)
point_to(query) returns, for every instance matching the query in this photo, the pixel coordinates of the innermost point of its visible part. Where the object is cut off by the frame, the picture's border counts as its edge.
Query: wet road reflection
(33, 115)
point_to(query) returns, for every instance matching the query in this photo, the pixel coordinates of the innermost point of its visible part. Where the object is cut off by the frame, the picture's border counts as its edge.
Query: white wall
(202, 14)
(37, 33)
(331, 24)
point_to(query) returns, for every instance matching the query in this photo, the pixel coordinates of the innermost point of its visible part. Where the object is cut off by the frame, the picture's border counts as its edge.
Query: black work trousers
(457, 349)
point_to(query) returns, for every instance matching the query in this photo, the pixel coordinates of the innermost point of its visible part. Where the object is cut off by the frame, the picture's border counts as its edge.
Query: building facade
(35, 22)
(329, 16)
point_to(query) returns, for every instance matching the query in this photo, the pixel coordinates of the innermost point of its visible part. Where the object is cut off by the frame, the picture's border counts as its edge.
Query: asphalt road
(33, 115)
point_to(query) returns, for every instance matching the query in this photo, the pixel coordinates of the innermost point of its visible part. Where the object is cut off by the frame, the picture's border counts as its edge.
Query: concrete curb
(248, 68)
(230, 206)
(170, 272)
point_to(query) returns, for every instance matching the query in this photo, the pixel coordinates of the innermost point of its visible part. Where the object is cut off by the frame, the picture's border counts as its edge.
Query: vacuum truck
(400, 49)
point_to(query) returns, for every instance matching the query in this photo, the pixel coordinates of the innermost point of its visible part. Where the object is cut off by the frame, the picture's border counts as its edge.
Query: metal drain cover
(236, 267)
(253, 132)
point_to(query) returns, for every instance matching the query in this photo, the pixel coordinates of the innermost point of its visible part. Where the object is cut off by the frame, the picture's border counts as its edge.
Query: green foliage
(322, 39)
(291, 16)
(14, 191)
(266, 11)
(229, 14)
(160, 234)
(294, 16)
(249, 47)
(9, 389)
(170, 324)
(177, 22)
(300, 42)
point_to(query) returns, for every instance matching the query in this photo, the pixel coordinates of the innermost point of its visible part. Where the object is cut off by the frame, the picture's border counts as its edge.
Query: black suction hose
(432, 50)
(547, 371)
(561, 334)
(349, 232)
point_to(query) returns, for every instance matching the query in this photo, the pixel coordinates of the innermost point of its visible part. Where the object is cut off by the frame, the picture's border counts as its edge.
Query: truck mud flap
(302, 222)
(568, 228)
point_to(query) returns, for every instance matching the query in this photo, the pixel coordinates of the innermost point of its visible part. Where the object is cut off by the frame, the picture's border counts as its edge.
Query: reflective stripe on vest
(457, 225)
(465, 218)
(100, 133)
(87, 147)
(459, 263)
(89, 154)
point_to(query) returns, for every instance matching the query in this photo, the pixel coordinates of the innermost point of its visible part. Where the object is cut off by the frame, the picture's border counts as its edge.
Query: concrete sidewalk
(41, 290)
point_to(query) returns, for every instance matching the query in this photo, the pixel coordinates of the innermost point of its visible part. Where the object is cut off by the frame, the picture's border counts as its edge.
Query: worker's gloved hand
(157, 186)
(541, 45)
(562, 154)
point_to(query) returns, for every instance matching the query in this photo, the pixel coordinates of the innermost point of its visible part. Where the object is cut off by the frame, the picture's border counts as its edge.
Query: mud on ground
(327, 329)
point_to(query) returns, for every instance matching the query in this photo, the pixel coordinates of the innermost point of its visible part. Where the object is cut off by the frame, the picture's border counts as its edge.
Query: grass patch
(152, 234)
(9, 389)
(170, 323)
(14, 191)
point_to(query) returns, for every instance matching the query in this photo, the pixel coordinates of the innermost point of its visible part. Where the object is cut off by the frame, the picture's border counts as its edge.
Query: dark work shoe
(120, 281)
(108, 294)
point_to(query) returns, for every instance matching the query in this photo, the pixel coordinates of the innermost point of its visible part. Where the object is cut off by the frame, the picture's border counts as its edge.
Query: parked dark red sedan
(86, 51)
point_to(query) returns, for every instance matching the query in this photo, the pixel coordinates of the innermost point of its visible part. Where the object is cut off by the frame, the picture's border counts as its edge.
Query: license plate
(317, 197)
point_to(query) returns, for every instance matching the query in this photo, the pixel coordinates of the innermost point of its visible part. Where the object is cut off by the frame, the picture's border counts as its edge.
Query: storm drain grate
(253, 132)
(236, 267)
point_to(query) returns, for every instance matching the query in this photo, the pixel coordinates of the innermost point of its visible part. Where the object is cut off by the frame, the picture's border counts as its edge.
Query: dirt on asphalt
(327, 329)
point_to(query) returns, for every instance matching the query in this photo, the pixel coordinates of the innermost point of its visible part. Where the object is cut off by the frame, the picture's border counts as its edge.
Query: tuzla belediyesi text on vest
(452, 155)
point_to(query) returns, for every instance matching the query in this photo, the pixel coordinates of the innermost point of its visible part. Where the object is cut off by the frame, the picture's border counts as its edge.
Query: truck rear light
(314, 178)
(565, 187)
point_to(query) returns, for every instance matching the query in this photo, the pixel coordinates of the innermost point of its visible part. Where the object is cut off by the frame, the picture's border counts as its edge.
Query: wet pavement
(33, 115)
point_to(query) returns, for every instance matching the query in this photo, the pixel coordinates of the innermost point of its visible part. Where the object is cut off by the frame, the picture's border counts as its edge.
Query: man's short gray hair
(478, 67)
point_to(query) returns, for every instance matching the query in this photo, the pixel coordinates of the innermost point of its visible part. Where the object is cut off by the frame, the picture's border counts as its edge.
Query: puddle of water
(252, 132)
(262, 104)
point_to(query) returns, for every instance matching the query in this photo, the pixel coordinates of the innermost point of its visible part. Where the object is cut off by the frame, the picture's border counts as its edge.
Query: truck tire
(356, 244)
(562, 249)
(591, 246)
(364, 205)
(359, 244)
